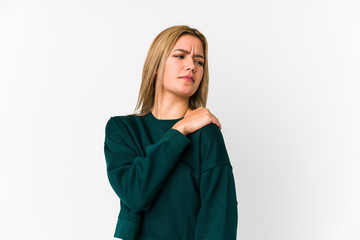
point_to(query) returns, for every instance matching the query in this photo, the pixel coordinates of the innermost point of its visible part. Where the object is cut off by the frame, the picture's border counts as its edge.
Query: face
(184, 67)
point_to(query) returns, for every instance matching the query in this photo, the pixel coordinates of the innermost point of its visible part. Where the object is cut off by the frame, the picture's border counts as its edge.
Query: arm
(217, 217)
(138, 179)
(128, 224)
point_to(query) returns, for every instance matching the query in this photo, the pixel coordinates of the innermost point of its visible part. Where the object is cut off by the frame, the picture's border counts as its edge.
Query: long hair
(155, 64)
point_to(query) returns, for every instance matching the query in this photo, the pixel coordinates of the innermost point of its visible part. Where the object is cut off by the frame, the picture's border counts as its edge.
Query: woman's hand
(195, 119)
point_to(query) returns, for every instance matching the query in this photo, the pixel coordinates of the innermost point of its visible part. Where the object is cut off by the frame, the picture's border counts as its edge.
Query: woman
(168, 163)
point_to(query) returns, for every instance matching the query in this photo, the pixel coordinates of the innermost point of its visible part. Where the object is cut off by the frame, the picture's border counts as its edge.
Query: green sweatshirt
(170, 186)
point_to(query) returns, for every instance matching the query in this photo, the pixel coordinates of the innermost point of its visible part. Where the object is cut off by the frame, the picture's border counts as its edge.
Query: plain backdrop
(284, 82)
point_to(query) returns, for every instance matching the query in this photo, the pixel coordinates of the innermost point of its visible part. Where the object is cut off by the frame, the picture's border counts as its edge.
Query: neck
(170, 107)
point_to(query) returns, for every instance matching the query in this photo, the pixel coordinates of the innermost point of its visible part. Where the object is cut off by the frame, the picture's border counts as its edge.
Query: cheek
(201, 73)
(171, 68)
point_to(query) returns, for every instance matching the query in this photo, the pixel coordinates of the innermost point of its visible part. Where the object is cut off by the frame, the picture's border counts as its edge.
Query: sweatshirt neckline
(150, 118)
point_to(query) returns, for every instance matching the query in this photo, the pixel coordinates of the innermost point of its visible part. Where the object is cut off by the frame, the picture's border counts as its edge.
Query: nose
(190, 65)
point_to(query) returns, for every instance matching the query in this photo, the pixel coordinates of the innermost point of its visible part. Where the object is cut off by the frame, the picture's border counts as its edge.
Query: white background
(284, 81)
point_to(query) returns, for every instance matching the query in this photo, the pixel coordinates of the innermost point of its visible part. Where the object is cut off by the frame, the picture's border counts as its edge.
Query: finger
(217, 122)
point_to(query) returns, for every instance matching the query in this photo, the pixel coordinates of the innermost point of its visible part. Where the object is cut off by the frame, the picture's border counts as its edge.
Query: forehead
(189, 43)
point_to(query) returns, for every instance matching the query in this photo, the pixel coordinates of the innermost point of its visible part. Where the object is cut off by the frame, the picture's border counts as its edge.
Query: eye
(200, 63)
(179, 56)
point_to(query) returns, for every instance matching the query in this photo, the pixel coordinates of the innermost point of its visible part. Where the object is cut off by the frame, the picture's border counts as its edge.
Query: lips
(188, 78)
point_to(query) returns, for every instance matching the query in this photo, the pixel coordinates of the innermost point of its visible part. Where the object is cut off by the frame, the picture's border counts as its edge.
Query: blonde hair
(154, 68)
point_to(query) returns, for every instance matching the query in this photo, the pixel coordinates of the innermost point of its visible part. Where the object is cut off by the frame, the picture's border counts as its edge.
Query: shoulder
(210, 134)
(120, 123)
(212, 147)
(210, 129)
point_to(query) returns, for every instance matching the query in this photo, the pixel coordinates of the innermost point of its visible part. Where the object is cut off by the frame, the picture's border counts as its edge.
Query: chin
(186, 94)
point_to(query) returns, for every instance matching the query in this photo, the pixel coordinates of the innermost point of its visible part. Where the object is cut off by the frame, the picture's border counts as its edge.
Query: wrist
(181, 128)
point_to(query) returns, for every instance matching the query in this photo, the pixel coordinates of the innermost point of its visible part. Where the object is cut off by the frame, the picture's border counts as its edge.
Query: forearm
(217, 219)
(137, 179)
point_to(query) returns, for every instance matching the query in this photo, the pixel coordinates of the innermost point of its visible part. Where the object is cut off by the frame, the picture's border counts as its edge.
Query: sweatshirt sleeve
(138, 179)
(217, 217)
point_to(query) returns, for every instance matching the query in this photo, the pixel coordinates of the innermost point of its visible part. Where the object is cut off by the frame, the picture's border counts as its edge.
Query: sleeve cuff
(126, 229)
(176, 141)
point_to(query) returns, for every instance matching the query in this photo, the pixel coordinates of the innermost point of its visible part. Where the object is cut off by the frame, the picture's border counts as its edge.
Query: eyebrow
(187, 52)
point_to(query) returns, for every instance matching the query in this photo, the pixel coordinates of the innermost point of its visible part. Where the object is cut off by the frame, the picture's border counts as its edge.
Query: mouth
(188, 78)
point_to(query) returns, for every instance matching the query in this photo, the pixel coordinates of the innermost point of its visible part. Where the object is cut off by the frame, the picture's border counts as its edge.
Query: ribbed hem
(176, 141)
(126, 229)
